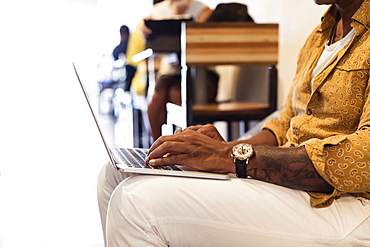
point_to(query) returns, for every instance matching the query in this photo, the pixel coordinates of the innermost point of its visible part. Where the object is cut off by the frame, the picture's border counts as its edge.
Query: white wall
(114, 13)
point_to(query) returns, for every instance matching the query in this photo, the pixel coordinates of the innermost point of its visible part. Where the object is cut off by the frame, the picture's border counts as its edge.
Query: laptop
(132, 160)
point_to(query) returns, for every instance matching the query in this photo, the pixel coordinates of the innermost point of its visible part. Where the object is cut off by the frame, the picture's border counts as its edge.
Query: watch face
(242, 151)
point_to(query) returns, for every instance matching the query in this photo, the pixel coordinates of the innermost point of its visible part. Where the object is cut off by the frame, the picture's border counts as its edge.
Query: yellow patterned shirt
(332, 118)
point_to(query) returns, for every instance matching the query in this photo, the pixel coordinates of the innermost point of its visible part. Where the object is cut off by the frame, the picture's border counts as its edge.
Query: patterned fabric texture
(332, 119)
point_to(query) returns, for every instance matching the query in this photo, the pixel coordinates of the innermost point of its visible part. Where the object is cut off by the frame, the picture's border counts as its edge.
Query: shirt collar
(361, 16)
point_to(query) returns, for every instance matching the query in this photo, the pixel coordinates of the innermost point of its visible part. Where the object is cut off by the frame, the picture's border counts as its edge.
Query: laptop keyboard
(136, 158)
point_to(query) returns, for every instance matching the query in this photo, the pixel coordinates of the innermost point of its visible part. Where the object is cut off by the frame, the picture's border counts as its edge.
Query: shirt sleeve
(344, 162)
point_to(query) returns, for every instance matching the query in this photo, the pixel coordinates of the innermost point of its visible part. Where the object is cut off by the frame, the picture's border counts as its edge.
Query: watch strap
(241, 168)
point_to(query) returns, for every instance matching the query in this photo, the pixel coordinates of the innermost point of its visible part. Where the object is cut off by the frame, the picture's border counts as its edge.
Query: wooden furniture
(231, 43)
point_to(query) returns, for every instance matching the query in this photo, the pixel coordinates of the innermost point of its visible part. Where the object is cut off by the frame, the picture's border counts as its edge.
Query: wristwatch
(241, 154)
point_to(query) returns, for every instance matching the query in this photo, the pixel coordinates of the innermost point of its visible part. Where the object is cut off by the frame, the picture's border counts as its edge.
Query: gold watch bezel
(242, 151)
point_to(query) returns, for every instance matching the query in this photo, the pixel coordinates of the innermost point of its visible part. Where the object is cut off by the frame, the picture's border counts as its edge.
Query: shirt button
(309, 111)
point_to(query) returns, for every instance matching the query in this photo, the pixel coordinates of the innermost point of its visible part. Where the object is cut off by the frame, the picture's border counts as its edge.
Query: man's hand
(208, 130)
(192, 148)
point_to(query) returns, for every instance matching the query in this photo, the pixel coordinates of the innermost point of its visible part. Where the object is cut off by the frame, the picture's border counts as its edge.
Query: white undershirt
(329, 52)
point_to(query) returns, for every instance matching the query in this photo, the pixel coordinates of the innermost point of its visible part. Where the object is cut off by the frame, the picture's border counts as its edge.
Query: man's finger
(167, 147)
(176, 159)
(178, 131)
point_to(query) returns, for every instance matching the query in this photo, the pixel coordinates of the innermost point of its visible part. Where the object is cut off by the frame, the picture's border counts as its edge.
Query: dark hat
(230, 12)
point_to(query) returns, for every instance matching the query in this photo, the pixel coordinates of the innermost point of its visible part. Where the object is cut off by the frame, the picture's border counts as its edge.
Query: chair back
(222, 43)
(229, 43)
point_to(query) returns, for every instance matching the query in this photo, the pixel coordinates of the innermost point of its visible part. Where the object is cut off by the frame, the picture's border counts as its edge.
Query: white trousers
(144, 210)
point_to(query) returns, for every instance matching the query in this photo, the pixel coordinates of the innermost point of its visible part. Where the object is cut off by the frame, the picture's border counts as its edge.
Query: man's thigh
(196, 212)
